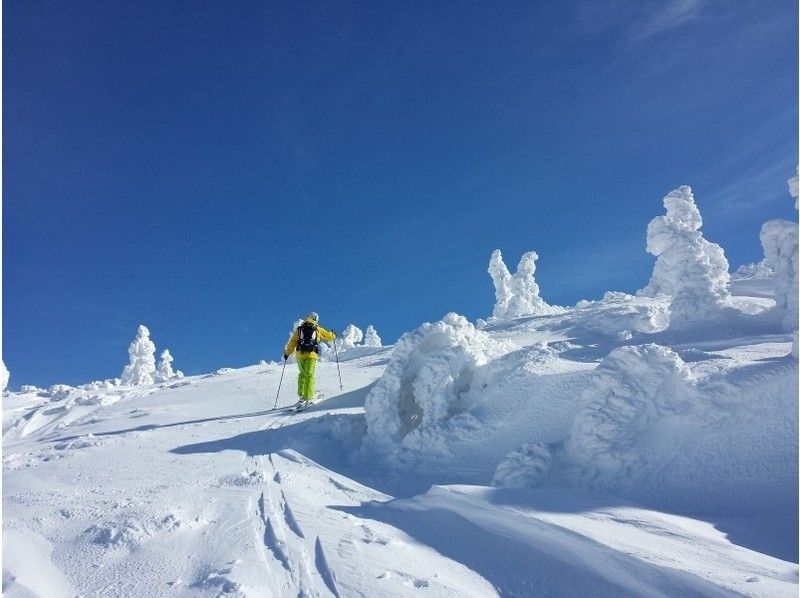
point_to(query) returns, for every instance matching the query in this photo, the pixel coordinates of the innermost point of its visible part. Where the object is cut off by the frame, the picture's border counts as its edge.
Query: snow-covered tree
(779, 238)
(165, 371)
(371, 338)
(516, 294)
(142, 367)
(351, 336)
(690, 269)
(4, 375)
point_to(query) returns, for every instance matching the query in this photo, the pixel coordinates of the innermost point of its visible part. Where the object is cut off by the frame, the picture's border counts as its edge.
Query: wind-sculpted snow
(631, 388)
(689, 269)
(431, 370)
(517, 294)
(622, 314)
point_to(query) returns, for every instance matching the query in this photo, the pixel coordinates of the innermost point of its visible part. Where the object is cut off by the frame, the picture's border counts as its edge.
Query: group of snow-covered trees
(690, 272)
(142, 368)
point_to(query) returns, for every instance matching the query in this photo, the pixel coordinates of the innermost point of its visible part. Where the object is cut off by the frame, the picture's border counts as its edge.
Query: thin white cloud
(662, 17)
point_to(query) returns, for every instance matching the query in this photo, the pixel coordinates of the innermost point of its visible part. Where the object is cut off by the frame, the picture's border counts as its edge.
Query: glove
(285, 357)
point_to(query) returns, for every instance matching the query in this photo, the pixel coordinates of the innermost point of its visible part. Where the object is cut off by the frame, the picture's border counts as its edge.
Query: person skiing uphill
(305, 340)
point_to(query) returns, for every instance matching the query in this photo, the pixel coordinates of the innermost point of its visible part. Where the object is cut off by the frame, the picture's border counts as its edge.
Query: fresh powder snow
(628, 445)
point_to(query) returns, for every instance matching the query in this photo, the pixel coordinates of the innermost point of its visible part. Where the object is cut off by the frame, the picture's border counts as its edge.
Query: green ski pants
(305, 379)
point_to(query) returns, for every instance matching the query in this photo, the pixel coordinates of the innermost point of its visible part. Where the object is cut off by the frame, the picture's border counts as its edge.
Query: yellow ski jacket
(322, 335)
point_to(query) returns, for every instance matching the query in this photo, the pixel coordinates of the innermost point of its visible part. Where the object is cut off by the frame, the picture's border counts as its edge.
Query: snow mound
(631, 388)
(655, 430)
(619, 315)
(430, 369)
(113, 535)
(523, 468)
(689, 269)
(517, 294)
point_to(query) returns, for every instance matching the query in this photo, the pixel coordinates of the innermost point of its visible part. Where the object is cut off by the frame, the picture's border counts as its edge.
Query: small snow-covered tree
(690, 269)
(371, 338)
(142, 367)
(4, 375)
(351, 336)
(793, 188)
(516, 294)
(780, 242)
(165, 371)
(781, 238)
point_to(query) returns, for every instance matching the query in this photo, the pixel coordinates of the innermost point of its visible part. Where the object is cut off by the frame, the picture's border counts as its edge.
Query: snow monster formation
(431, 369)
(517, 294)
(689, 269)
(142, 367)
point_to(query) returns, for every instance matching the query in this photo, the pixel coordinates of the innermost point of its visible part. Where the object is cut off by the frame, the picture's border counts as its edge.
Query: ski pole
(336, 352)
(279, 384)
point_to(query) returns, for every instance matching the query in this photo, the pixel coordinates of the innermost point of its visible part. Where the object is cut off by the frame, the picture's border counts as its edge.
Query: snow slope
(585, 452)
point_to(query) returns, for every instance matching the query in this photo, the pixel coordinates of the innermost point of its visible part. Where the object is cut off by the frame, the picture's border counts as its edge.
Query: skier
(305, 339)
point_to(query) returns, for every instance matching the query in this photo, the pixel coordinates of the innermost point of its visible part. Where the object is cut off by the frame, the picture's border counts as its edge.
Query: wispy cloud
(662, 17)
(638, 21)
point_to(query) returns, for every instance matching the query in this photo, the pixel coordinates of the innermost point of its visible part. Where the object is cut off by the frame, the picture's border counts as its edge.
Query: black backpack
(307, 338)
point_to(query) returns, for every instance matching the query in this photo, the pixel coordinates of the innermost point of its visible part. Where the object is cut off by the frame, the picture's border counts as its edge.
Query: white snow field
(605, 449)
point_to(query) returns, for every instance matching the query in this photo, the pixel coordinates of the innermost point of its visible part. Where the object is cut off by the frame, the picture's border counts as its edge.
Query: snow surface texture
(689, 269)
(518, 294)
(141, 370)
(197, 483)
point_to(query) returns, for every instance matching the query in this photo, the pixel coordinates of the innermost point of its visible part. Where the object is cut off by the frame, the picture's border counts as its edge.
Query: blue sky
(216, 169)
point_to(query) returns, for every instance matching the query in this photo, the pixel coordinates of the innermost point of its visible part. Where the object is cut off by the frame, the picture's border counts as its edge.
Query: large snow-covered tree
(142, 367)
(689, 269)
